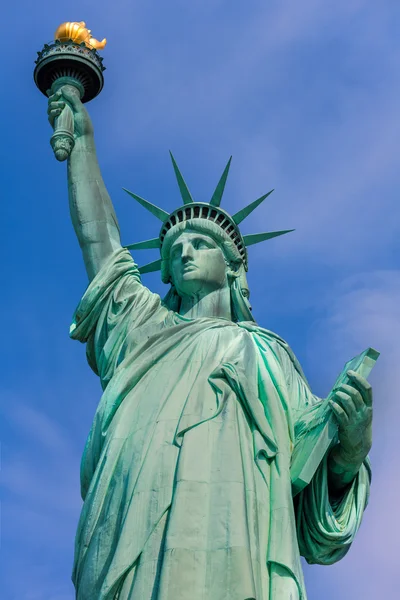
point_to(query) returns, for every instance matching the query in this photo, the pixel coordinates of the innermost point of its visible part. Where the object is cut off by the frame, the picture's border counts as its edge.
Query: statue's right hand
(82, 123)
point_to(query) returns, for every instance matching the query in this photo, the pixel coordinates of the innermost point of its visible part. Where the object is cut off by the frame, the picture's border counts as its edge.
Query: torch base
(73, 61)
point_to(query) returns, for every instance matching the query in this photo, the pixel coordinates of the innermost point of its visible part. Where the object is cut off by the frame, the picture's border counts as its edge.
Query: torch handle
(62, 141)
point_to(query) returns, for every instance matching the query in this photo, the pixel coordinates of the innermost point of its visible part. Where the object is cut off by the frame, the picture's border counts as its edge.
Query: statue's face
(197, 264)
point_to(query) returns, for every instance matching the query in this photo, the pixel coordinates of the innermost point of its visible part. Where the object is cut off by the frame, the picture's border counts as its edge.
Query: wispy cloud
(364, 312)
(304, 95)
(325, 136)
(40, 504)
(45, 453)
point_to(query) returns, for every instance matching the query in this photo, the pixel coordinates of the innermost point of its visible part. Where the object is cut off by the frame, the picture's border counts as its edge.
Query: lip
(188, 268)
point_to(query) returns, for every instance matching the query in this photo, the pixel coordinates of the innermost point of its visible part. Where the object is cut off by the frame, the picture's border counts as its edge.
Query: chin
(189, 285)
(191, 276)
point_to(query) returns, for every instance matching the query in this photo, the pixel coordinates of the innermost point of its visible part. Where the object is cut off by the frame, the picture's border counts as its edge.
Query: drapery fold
(327, 527)
(179, 394)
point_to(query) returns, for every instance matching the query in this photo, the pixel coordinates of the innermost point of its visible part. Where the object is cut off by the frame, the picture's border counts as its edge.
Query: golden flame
(78, 32)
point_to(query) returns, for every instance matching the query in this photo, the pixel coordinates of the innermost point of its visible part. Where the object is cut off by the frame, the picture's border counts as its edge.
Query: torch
(71, 61)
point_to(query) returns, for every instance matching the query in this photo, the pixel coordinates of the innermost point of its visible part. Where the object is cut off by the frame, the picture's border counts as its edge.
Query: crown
(210, 211)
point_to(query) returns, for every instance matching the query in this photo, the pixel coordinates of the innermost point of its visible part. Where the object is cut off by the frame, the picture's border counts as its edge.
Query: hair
(239, 289)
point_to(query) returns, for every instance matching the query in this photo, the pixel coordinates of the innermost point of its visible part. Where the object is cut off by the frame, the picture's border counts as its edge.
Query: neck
(214, 304)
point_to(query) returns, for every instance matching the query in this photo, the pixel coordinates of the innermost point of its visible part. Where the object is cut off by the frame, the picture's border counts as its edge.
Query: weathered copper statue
(186, 474)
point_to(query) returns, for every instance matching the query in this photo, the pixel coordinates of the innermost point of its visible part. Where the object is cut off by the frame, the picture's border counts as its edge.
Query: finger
(339, 413)
(54, 105)
(53, 114)
(55, 97)
(72, 99)
(346, 402)
(363, 386)
(354, 393)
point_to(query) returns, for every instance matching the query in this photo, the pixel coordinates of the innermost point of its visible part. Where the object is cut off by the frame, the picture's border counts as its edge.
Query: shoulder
(281, 348)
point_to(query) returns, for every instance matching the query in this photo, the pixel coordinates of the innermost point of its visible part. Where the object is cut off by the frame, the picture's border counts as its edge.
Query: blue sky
(304, 95)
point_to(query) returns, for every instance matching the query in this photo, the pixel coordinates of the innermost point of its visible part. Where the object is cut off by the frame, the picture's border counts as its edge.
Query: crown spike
(157, 212)
(247, 210)
(151, 267)
(219, 190)
(186, 195)
(146, 245)
(256, 238)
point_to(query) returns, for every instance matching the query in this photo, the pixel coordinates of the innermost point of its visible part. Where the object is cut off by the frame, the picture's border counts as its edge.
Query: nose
(187, 252)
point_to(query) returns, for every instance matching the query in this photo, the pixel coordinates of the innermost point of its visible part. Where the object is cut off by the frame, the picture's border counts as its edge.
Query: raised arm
(92, 212)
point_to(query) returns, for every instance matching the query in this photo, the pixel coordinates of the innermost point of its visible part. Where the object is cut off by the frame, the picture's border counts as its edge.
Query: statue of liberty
(185, 475)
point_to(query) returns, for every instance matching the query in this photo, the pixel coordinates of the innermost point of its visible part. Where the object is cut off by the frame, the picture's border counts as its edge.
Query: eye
(201, 244)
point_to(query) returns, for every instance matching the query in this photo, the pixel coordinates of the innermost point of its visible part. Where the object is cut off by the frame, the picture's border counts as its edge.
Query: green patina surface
(186, 471)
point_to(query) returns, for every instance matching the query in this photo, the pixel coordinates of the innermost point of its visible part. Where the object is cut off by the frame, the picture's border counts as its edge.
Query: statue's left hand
(352, 405)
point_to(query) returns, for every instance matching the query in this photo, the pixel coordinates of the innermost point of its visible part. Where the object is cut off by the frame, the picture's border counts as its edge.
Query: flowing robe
(185, 474)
